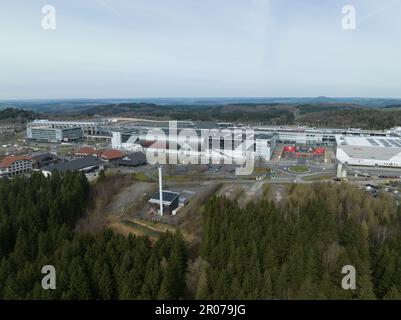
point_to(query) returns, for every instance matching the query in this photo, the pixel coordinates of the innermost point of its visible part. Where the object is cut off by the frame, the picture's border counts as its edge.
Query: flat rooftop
(168, 197)
(75, 165)
(48, 127)
(377, 142)
(264, 136)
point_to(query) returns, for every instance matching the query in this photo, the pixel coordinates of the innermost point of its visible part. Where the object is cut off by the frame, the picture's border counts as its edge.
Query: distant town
(282, 154)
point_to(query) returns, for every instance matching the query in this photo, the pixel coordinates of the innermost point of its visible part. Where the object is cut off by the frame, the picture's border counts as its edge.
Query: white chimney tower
(161, 189)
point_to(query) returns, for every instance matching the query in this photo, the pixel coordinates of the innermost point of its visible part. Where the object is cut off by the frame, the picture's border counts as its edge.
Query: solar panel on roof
(385, 143)
(397, 143)
(394, 143)
(373, 143)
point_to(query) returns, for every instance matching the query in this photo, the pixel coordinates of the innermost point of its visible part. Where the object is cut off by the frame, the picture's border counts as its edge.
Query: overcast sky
(199, 48)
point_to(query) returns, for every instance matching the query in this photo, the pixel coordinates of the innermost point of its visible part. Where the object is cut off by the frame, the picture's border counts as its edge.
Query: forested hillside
(265, 113)
(357, 117)
(18, 115)
(291, 250)
(37, 217)
(296, 250)
(342, 115)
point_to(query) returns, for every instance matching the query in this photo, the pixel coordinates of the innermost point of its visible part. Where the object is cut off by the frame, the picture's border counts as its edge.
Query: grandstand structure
(98, 128)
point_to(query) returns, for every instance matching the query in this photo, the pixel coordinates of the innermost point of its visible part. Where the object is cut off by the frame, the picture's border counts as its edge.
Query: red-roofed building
(86, 151)
(111, 154)
(14, 165)
(319, 151)
(289, 149)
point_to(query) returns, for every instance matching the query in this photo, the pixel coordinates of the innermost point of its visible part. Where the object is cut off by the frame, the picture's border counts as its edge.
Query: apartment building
(15, 165)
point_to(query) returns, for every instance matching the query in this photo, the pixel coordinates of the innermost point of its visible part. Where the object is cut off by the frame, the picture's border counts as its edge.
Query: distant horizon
(204, 98)
(76, 103)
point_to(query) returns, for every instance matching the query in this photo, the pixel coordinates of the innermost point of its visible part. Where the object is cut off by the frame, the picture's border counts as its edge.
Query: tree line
(19, 115)
(364, 118)
(294, 249)
(260, 113)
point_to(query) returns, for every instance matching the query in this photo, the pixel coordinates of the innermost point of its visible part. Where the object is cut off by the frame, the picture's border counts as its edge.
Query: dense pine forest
(37, 219)
(356, 117)
(344, 115)
(17, 115)
(291, 250)
(296, 250)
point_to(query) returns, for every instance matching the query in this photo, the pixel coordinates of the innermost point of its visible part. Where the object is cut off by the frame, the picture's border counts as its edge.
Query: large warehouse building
(369, 151)
(48, 134)
(212, 145)
(90, 128)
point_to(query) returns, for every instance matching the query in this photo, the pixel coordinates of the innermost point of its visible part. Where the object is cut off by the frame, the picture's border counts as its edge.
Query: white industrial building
(126, 141)
(91, 128)
(49, 134)
(265, 144)
(216, 145)
(310, 136)
(369, 151)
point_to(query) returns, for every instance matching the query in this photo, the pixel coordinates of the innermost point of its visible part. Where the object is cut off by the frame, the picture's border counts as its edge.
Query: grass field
(178, 178)
(140, 176)
(261, 170)
(153, 234)
(299, 169)
(320, 177)
(64, 149)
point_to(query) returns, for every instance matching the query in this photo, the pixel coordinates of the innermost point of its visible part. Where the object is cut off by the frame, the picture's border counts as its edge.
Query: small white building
(265, 145)
(127, 142)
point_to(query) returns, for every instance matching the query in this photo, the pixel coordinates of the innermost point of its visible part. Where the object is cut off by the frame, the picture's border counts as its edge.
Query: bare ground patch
(108, 200)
